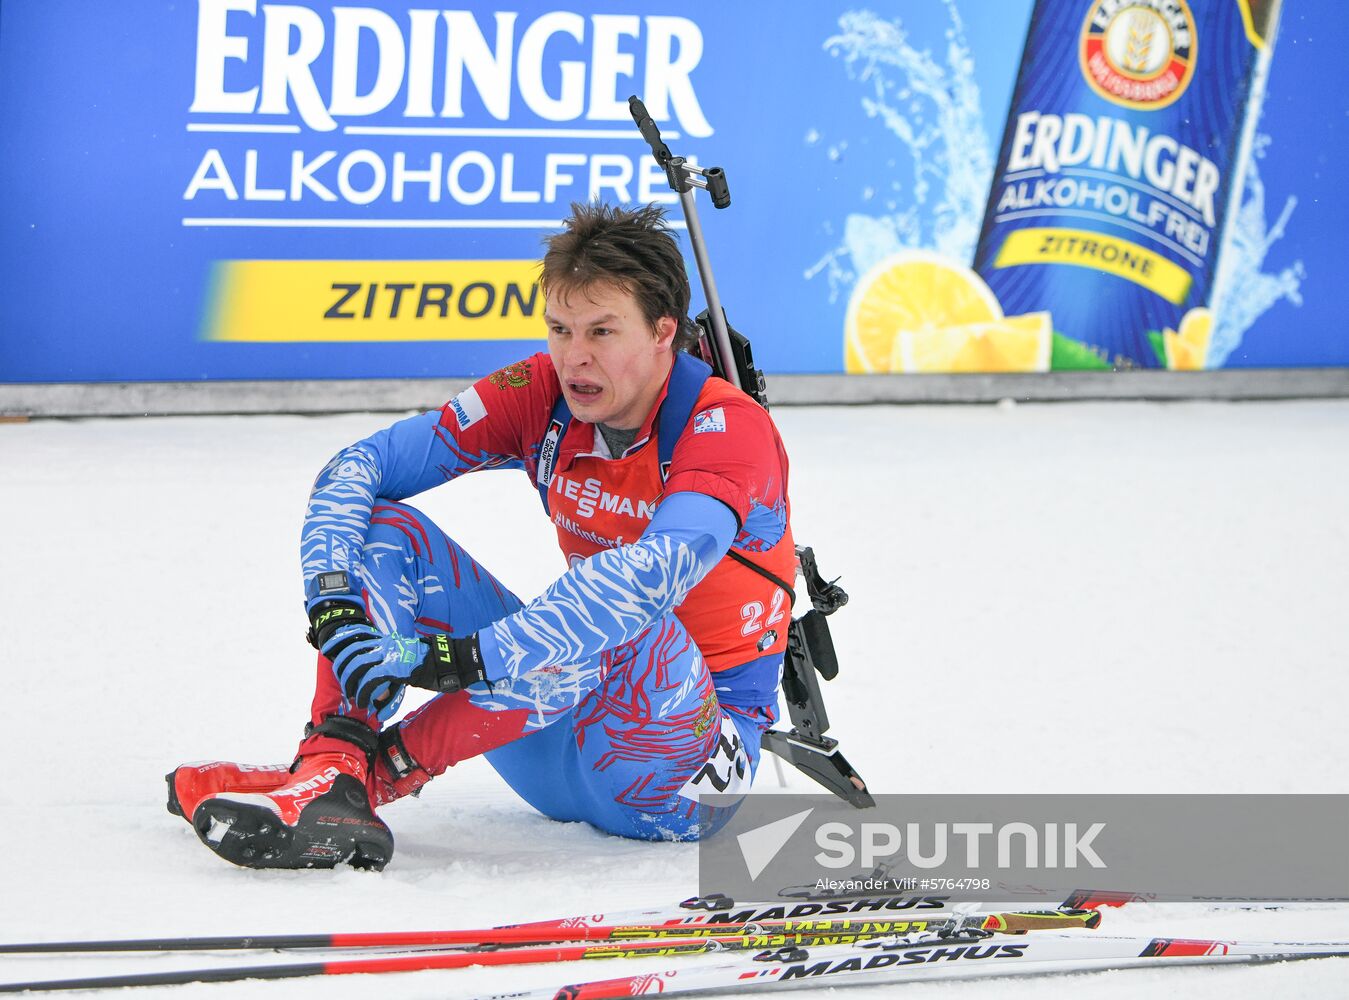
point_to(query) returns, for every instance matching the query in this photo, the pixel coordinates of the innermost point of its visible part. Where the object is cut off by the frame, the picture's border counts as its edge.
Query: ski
(666, 942)
(713, 910)
(1095, 899)
(929, 956)
(1026, 896)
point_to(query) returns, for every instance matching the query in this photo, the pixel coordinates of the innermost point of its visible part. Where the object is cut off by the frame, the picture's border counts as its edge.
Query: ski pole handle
(1020, 923)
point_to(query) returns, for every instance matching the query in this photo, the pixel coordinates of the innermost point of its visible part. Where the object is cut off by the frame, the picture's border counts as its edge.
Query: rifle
(810, 648)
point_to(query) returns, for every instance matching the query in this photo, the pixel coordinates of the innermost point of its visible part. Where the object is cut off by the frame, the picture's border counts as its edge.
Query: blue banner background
(102, 280)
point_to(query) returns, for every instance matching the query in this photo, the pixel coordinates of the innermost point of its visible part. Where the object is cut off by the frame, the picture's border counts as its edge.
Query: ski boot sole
(337, 826)
(174, 807)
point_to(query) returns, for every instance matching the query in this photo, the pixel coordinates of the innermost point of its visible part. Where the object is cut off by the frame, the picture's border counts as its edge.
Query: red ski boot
(317, 815)
(395, 772)
(191, 783)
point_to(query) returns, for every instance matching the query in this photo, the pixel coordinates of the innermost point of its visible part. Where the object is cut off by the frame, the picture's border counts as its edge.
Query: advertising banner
(228, 189)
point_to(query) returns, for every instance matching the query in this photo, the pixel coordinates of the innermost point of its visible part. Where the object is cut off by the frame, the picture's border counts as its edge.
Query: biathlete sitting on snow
(643, 676)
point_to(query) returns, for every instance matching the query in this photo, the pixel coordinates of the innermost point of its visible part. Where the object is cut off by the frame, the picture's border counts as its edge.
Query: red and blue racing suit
(648, 671)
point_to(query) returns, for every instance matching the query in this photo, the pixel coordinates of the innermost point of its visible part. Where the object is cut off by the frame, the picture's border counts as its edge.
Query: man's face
(610, 362)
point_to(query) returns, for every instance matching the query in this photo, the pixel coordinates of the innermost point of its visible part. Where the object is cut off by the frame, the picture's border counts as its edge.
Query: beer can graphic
(1123, 155)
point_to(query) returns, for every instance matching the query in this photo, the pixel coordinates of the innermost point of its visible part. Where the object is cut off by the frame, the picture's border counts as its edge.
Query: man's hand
(327, 615)
(451, 665)
(373, 669)
(333, 602)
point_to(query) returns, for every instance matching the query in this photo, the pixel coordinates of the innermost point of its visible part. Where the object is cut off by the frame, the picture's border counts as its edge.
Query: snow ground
(1161, 588)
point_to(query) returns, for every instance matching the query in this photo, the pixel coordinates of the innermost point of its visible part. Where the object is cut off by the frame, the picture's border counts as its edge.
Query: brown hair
(632, 249)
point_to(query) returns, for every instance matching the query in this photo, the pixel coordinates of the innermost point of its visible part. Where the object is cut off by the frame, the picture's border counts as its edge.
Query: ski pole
(788, 944)
(553, 931)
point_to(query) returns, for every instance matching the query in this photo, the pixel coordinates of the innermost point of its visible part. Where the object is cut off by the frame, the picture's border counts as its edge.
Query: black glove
(328, 614)
(373, 669)
(451, 664)
(331, 601)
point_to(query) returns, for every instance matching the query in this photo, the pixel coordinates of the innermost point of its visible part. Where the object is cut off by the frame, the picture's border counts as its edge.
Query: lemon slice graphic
(916, 291)
(1012, 344)
(1188, 349)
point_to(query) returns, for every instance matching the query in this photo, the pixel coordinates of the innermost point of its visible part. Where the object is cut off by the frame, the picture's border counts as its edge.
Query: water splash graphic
(932, 108)
(1243, 292)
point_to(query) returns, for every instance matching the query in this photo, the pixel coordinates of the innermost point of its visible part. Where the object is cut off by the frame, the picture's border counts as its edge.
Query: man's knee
(396, 525)
(548, 694)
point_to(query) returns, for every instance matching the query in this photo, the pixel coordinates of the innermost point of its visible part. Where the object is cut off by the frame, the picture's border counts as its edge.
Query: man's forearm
(398, 462)
(614, 595)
